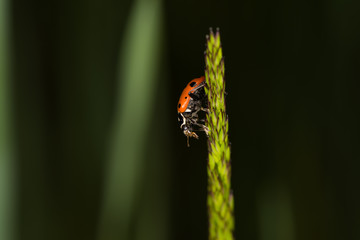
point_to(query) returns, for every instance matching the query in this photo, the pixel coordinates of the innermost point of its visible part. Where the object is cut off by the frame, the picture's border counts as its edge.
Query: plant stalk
(220, 199)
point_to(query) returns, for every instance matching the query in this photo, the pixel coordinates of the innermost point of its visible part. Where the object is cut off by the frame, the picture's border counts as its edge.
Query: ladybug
(192, 100)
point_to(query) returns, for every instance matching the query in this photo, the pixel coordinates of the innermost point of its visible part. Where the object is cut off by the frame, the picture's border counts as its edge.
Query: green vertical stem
(139, 62)
(7, 179)
(220, 198)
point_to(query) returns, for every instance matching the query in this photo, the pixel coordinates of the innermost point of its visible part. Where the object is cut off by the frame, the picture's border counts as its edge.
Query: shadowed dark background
(90, 147)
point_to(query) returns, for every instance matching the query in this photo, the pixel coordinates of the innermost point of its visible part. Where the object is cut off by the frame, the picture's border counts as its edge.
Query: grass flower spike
(220, 199)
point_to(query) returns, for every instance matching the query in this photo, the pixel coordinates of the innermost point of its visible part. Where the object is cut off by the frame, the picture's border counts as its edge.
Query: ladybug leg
(206, 130)
(200, 122)
(205, 110)
(194, 116)
(202, 128)
(190, 134)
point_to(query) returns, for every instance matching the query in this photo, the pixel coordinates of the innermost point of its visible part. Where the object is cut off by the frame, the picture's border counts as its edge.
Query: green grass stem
(220, 199)
(7, 165)
(139, 64)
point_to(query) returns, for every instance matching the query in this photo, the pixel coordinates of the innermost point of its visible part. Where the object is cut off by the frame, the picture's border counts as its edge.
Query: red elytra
(185, 97)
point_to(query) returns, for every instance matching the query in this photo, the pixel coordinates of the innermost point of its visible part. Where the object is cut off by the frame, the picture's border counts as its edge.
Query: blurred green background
(89, 142)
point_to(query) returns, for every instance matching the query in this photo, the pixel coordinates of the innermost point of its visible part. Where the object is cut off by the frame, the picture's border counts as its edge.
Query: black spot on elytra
(192, 84)
(185, 97)
(179, 105)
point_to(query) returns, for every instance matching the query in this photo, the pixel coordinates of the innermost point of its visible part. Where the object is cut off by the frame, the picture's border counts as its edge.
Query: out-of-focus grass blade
(139, 63)
(7, 184)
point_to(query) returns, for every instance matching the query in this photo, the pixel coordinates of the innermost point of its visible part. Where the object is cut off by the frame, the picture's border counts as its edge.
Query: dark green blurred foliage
(7, 163)
(292, 72)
